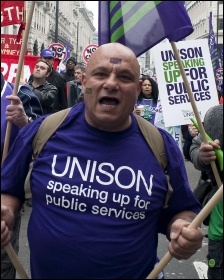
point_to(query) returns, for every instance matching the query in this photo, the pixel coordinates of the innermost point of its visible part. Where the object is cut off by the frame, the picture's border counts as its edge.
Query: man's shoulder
(30, 102)
(48, 85)
(57, 74)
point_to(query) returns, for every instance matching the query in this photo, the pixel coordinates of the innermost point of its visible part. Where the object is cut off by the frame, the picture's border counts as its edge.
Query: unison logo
(188, 114)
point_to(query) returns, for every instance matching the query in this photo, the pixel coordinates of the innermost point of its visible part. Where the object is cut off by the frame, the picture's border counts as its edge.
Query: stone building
(58, 22)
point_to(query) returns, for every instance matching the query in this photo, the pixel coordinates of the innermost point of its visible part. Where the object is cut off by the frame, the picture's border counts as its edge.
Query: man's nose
(111, 83)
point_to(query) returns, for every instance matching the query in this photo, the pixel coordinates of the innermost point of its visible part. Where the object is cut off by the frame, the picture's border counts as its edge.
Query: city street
(194, 268)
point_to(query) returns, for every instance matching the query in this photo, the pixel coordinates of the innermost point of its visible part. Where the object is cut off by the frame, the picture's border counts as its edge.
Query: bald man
(98, 191)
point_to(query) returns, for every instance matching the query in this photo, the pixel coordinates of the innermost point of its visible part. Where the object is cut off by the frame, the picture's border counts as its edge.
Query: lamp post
(56, 21)
(77, 41)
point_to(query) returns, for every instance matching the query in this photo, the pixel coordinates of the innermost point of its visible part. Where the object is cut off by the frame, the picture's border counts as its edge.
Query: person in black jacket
(45, 91)
(69, 74)
(74, 90)
(55, 79)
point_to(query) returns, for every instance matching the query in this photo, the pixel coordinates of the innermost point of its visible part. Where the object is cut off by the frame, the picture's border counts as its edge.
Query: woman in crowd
(147, 99)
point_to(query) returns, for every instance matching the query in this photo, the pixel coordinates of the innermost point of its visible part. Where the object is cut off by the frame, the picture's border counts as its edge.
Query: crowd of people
(94, 214)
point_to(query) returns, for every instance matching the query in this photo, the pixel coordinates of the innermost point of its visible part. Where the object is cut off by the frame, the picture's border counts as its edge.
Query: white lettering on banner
(7, 51)
(136, 179)
(11, 71)
(9, 11)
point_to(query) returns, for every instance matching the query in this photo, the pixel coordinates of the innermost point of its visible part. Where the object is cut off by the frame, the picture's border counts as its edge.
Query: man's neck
(38, 82)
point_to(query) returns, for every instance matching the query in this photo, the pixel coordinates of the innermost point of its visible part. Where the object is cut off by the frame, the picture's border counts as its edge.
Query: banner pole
(201, 216)
(18, 75)
(194, 107)
(217, 197)
(8, 248)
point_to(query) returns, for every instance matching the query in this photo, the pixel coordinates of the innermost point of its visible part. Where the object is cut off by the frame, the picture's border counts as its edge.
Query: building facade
(58, 22)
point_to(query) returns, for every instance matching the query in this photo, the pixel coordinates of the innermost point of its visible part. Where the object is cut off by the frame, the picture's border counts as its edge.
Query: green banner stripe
(113, 4)
(141, 12)
(121, 12)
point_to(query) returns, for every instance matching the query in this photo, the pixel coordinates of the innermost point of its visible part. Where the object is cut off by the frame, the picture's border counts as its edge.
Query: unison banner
(196, 61)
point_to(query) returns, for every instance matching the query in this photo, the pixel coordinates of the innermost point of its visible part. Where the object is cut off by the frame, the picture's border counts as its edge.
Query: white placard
(195, 56)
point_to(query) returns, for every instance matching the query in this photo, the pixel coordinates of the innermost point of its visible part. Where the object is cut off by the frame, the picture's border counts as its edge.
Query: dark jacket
(31, 106)
(74, 93)
(68, 76)
(59, 82)
(48, 96)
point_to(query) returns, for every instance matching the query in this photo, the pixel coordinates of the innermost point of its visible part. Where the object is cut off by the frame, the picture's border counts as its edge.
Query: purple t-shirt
(152, 107)
(97, 199)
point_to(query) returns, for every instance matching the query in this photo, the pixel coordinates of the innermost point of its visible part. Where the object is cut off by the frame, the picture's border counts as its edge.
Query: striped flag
(140, 25)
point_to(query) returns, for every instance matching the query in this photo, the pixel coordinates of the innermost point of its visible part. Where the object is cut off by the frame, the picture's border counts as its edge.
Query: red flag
(11, 12)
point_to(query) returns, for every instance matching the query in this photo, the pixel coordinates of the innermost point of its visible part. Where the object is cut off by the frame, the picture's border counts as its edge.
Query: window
(220, 24)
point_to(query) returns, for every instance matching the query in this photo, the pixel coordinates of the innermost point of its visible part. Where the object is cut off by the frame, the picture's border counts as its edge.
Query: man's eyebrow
(115, 60)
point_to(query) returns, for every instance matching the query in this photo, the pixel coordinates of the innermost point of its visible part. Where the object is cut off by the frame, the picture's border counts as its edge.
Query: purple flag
(213, 46)
(67, 51)
(218, 71)
(140, 25)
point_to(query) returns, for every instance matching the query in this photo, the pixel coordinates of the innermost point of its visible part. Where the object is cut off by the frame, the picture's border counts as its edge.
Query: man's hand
(192, 130)
(184, 242)
(15, 112)
(206, 152)
(6, 227)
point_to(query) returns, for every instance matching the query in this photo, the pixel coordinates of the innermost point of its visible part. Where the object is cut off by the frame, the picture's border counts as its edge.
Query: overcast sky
(93, 6)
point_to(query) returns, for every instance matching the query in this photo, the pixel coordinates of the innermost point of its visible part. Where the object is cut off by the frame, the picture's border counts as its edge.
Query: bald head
(116, 53)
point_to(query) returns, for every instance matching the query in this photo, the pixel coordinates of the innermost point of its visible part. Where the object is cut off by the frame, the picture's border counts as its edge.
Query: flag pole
(206, 210)
(194, 107)
(18, 75)
(8, 248)
(218, 195)
(24, 20)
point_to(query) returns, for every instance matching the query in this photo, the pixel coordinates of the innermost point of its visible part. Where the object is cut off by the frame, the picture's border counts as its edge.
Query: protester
(148, 98)
(55, 79)
(187, 136)
(74, 92)
(98, 191)
(46, 92)
(25, 108)
(69, 74)
(202, 154)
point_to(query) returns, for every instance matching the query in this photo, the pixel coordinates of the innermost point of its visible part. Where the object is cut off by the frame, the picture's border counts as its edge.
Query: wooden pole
(204, 212)
(24, 20)
(18, 75)
(194, 107)
(217, 197)
(8, 248)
